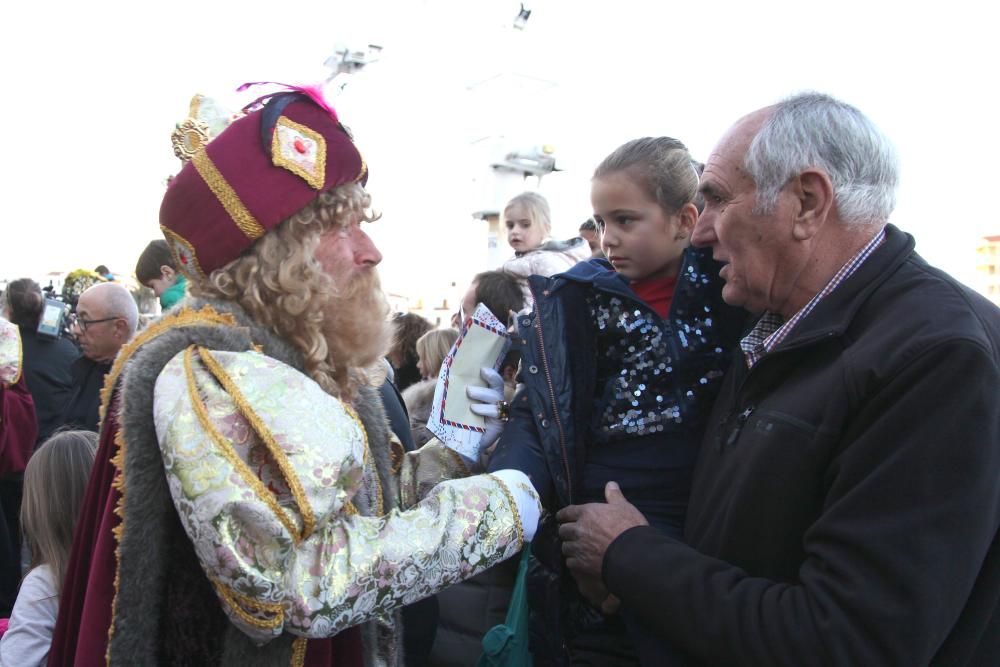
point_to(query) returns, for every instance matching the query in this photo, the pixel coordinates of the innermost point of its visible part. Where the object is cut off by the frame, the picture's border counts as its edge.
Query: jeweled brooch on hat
(300, 150)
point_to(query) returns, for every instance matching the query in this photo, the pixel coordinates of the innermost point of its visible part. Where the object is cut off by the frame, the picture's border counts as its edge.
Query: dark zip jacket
(845, 505)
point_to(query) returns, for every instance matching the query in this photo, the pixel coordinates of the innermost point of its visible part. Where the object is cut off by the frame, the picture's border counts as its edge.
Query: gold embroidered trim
(369, 462)
(224, 192)
(189, 266)
(316, 178)
(117, 482)
(299, 651)
(462, 465)
(277, 453)
(226, 449)
(364, 168)
(396, 454)
(237, 601)
(513, 510)
(206, 316)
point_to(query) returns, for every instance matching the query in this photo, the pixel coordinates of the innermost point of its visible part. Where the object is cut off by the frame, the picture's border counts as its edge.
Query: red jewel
(300, 146)
(184, 259)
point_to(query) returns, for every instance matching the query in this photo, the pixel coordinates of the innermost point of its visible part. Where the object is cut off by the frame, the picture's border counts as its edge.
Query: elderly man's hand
(586, 531)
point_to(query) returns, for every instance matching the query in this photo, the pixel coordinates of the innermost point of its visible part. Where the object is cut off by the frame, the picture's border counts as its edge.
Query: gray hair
(811, 130)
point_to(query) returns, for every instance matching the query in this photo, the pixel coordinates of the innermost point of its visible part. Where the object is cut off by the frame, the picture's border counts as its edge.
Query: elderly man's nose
(365, 251)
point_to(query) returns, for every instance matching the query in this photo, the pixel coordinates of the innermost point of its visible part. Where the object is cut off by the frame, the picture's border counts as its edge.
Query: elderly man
(846, 501)
(248, 505)
(106, 318)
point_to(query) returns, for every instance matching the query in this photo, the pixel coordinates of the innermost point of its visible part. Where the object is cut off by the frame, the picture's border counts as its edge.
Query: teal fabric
(506, 645)
(174, 293)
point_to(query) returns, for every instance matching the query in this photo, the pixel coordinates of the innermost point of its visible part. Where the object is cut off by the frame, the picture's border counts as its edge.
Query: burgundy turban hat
(260, 170)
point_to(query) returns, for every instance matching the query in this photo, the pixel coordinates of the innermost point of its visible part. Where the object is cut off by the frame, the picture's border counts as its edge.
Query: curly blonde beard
(341, 331)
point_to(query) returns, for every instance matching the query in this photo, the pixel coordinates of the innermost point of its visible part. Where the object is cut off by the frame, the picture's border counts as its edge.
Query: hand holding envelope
(482, 343)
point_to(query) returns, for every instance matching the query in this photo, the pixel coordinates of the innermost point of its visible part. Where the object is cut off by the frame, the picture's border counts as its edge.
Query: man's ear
(167, 272)
(813, 192)
(121, 329)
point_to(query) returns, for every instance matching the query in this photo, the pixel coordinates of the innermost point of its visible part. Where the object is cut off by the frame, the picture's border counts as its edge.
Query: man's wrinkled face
(347, 253)
(104, 336)
(355, 322)
(753, 247)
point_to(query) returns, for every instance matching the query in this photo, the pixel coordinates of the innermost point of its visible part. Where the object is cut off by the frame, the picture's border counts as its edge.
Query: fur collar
(166, 610)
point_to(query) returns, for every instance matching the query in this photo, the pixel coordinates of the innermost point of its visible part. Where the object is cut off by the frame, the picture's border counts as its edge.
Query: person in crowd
(248, 505)
(432, 348)
(18, 432)
(54, 482)
(47, 359)
(469, 609)
(45, 368)
(590, 233)
(529, 233)
(621, 364)
(104, 272)
(846, 504)
(106, 318)
(408, 327)
(155, 269)
(498, 291)
(501, 293)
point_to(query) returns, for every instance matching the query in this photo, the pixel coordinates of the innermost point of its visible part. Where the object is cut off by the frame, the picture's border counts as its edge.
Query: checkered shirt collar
(772, 328)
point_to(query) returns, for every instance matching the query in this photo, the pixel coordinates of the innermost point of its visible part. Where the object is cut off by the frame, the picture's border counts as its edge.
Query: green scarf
(174, 293)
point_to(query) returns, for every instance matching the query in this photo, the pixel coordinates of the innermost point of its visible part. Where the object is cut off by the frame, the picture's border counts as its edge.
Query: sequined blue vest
(655, 379)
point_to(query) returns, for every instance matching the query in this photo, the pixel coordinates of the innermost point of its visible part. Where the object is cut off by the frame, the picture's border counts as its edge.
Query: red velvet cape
(18, 427)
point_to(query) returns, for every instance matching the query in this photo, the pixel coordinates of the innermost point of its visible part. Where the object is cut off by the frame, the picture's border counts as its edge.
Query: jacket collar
(599, 273)
(834, 314)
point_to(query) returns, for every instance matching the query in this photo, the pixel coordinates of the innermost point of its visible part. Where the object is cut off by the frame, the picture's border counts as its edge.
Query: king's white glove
(490, 405)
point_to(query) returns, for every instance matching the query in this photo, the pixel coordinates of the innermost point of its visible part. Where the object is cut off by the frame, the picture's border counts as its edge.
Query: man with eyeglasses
(106, 318)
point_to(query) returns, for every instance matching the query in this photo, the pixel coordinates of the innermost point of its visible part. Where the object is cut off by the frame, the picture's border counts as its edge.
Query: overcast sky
(93, 91)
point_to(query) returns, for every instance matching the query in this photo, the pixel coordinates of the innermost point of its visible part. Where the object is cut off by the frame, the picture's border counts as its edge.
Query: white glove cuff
(529, 506)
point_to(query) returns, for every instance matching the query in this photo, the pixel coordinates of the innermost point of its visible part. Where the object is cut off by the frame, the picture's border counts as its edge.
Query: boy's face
(166, 280)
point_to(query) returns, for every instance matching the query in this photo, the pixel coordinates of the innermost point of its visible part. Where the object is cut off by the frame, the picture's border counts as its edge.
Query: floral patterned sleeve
(275, 486)
(10, 353)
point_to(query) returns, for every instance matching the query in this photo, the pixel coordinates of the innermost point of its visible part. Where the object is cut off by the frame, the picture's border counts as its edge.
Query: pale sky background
(93, 90)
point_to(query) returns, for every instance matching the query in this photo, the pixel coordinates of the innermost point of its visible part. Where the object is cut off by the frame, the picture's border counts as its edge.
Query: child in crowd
(407, 329)
(529, 231)
(156, 270)
(54, 484)
(432, 348)
(621, 363)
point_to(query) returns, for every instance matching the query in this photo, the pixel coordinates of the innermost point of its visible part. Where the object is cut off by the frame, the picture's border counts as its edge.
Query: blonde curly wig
(341, 331)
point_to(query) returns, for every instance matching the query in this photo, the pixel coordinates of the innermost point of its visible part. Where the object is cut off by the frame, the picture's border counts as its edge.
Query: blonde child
(54, 483)
(432, 348)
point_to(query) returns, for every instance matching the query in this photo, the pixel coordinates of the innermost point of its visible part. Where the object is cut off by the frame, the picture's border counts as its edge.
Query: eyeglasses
(82, 324)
